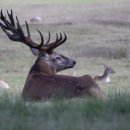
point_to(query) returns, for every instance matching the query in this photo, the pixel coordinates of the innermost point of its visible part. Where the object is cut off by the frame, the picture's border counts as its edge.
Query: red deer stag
(42, 82)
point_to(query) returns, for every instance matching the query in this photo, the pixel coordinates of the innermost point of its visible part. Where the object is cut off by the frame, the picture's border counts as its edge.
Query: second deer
(106, 75)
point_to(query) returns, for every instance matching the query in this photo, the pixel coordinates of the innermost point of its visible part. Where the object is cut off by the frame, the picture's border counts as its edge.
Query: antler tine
(10, 15)
(8, 34)
(34, 45)
(57, 37)
(28, 31)
(20, 30)
(49, 46)
(42, 40)
(64, 40)
(60, 42)
(60, 37)
(28, 38)
(49, 38)
(8, 25)
(56, 41)
(2, 16)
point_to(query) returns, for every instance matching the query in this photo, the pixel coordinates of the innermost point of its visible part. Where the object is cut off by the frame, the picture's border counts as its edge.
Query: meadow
(98, 33)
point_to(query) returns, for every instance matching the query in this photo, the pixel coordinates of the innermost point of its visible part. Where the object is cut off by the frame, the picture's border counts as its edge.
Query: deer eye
(58, 58)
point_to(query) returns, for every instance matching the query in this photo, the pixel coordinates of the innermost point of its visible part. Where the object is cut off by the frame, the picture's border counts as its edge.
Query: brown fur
(42, 87)
(43, 84)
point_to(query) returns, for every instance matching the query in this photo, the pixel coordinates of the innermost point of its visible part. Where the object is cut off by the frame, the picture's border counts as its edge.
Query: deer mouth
(72, 64)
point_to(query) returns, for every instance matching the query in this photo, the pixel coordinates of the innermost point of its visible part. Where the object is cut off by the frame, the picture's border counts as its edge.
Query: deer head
(48, 61)
(109, 70)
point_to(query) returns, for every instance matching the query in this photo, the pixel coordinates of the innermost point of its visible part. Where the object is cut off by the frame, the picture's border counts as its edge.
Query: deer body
(103, 78)
(106, 75)
(42, 82)
(42, 87)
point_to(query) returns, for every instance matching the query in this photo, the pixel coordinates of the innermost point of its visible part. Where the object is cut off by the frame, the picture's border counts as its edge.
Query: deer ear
(34, 51)
(105, 66)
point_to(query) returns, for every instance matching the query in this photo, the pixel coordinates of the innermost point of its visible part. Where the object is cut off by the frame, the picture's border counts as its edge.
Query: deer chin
(68, 66)
(72, 65)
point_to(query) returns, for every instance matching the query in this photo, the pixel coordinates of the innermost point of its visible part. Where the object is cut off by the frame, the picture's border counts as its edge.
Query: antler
(17, 34)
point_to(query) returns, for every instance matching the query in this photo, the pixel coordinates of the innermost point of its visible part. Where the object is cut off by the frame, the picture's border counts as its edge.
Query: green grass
(75, 114)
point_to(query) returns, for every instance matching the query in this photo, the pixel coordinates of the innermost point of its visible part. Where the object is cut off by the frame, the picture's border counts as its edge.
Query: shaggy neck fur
(45, 68)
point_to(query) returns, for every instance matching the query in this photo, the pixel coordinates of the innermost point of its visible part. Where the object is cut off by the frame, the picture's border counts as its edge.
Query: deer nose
(71, 63)
(74, 62)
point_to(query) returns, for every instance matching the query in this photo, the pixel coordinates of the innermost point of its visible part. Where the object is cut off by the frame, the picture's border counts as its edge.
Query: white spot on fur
(106, 79)
(74, 73)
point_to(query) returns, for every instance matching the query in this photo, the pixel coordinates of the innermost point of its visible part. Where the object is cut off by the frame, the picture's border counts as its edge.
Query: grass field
(24, 2)
(98, 33)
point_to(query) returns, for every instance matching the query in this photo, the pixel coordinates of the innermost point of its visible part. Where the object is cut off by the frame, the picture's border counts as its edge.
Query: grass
(24, 2)
(119, 53)
(65, 114)
(94, 41)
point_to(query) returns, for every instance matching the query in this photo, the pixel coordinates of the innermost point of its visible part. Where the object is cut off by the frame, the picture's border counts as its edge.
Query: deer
(3, 85)
(106, 75)
(43, 83)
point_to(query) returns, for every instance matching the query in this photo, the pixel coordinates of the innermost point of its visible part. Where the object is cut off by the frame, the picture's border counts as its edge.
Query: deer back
(42, 87)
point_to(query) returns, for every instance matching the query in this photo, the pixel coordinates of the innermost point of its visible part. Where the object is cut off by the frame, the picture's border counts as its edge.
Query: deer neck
(43, 68)
(105, 76)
